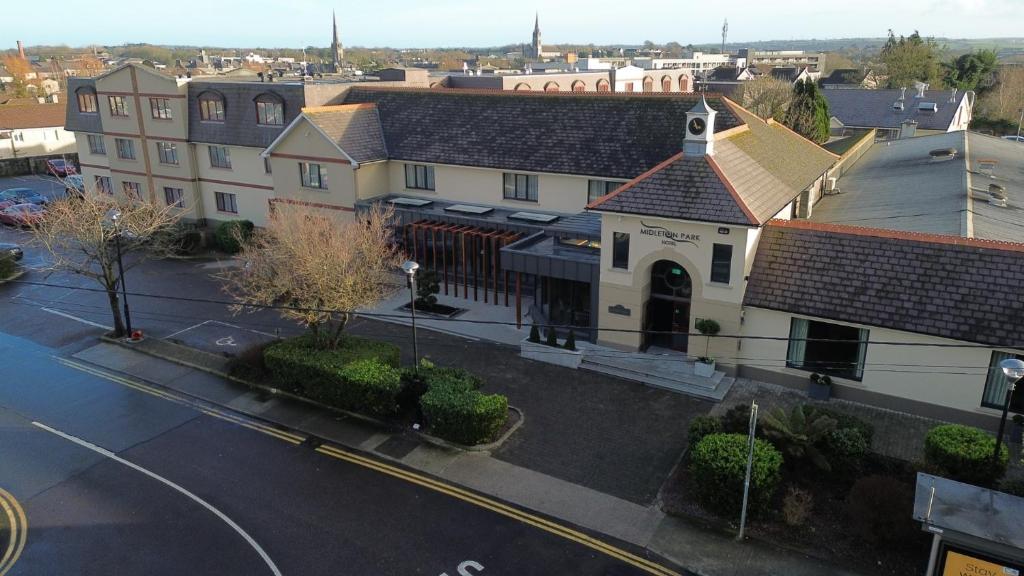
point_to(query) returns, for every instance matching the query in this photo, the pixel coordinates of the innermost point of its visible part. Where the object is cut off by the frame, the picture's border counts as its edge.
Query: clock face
(697, 126)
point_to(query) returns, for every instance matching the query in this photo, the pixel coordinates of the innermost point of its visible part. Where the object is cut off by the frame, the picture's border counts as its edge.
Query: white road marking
(263, 554)
(75, 318)
(186, 329)
(241, 328)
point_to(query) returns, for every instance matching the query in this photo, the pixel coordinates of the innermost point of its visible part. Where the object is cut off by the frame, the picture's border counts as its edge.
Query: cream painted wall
(304, 143)
(246, 179)
(85, 156)
(920, 373)
(27, 142)
(373, 180)
(253, 203)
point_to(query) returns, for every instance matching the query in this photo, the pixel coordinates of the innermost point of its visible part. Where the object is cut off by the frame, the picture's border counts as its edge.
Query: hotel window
(168, 152)
(996, 383)
(125, 148)
(598, 188)
(132, 190)
(721, 263)
(220, 157)
(269, 110)
(419, 177)
(211, 107)
(521, 186)
(117, 106)
(226, 202)
(620, 250)
(827, 348)
(174, 197)
(103, 185)
(96, 145)
(87, 102)
(160, 108)
(312, 176)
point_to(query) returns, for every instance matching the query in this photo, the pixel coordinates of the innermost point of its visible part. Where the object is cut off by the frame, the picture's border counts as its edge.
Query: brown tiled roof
(355, 128)
(32, 116)
(945, 286)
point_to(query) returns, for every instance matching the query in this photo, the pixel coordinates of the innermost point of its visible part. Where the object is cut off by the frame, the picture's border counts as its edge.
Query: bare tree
(1004, 100)
(767, 97)
(80, 235)
(317, 266)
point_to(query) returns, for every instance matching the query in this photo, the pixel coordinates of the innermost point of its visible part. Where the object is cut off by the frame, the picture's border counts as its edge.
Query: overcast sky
(439, 23)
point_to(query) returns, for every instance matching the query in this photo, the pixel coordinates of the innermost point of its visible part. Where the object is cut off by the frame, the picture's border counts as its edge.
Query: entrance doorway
(668, 307)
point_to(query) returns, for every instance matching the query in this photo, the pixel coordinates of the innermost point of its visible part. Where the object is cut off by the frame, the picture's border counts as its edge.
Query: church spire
(536, 22)
(337, 50)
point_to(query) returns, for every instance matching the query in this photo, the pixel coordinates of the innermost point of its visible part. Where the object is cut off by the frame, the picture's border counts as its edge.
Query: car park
(11, 251)
(13, 196)
(74, 186)
(60, 168)
(22, 214)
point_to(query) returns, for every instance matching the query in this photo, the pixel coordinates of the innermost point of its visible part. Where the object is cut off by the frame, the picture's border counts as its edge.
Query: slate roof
(753, 174)
(874, 108)
(605, 135)
(943, 286)
(845, 76)
(32, 116)
(239, 127)
(786, 73)
(78, 122)
(354, 128)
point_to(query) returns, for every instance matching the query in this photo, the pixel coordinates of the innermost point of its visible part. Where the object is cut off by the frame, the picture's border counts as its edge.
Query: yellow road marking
(19, 530)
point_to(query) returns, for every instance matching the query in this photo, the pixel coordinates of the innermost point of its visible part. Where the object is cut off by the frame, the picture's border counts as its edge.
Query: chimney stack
(21, 50)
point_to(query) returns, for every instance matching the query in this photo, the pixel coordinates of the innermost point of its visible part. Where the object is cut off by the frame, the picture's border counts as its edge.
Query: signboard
(958, 564)
(670, 238)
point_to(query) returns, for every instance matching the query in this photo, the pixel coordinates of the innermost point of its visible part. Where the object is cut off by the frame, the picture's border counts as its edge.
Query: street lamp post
(115, 216)
(410, 269)
(1013, 368)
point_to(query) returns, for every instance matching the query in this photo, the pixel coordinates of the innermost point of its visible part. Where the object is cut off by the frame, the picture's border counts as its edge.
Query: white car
(1012, 138)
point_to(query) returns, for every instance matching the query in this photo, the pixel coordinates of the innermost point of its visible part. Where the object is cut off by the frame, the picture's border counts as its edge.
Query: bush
(845, 449)
(799, 435)
(797, 506)
(736, 420)
(702, 426)
(456, 411)
(718, 465)
(427, 289)
(7, 267)
(534, 334)
(1013, 487)
(551, 338)
(369, 386)
(228, 234)
(965, 454)
(844, 420)
(570, 341)
(879, 509)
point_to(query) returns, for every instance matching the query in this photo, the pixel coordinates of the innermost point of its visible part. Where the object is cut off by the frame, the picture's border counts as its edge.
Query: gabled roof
(944, 286)
(787, 73)
(845, 76)
(32, 116)
(354, 128)
(865, 108)
(594, 134)
(753, 174)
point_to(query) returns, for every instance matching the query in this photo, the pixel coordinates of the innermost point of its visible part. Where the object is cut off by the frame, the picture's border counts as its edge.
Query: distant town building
(897, 114)
(535, 50)
(845, 78)
(815, 61)
(34, 130)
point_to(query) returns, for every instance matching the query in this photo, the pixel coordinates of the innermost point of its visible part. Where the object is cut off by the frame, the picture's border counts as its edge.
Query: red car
(60, 168)
(22, 214)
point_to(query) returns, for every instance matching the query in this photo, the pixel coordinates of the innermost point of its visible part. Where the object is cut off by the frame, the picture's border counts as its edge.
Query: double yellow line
(18, 523)
(396, 472)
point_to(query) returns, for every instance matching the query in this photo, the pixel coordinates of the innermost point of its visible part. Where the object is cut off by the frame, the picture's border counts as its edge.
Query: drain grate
(312, 442)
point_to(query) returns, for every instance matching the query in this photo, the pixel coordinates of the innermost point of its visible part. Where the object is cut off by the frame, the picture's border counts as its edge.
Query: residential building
(624, 79)
(31, 130)
(794, 74)
(897, 114)
(696, 64)
(815, 61)
(847, 78)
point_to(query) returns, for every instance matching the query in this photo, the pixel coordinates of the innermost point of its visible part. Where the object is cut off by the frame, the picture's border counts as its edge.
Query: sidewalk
(700, 550)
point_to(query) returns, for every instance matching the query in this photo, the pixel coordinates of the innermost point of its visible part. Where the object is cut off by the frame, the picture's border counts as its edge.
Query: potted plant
(820, 387)
(1017, 430)
(705, 365)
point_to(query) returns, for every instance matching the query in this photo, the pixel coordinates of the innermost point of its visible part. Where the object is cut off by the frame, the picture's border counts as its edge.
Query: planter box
(704, 369)
(544, 353)
(819, 391)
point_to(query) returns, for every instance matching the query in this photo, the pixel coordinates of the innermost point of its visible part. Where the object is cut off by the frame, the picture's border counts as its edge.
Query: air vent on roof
(418, 202)
(943, 153)
(898, 105)
(927, 107)
(533, 217)
(997, 195)
(468, 209)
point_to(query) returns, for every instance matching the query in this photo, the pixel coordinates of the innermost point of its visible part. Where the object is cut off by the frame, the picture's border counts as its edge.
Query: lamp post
(115, 216)
(410, 269)
(1013, 368)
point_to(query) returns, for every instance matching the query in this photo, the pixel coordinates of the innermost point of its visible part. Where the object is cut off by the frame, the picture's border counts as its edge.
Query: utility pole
(750, 465)
(1019, 122)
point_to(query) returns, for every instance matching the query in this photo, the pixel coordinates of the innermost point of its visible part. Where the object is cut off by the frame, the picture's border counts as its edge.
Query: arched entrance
(668, 307)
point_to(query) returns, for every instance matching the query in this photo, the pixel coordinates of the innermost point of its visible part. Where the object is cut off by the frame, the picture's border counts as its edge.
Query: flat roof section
(980, 512)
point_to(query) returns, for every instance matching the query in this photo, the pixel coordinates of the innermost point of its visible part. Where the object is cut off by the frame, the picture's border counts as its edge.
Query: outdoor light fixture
(115, 216)
(1013, 369)
(410, 268)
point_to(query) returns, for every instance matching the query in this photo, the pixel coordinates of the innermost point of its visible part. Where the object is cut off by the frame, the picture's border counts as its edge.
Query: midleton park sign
(671, 238)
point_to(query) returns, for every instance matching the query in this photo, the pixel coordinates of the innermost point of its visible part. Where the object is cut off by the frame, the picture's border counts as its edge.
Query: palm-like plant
(798, 434)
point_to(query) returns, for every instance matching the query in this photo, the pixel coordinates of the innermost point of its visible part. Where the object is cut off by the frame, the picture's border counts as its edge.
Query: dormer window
(86, 100)
(269, 110)
(211, 107)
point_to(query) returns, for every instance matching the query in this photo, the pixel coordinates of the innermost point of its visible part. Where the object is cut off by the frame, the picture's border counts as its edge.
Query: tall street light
(410, 269)
(1013, 368)
(115, 217)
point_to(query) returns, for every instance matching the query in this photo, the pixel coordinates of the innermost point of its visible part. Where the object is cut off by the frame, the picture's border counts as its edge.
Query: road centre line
(103, 451)
(19, 530)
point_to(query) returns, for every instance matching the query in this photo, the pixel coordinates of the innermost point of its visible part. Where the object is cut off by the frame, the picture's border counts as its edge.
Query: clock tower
(700, 130)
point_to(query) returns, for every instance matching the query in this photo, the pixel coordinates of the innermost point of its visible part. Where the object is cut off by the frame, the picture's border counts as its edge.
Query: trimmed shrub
(736, 420)
(368, 386)
(551, 338)
(702, 426)
(427, 289)
(879, 510)
(965, 454)
(534, 334)
(718, 465)
(845, 449)
(229, 232)
(844, 420)
(570, 341)
(456, 411)
(7, 267)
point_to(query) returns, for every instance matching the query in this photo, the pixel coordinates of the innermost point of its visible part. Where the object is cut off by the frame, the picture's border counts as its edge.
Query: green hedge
(717, 468)
(456, 410)
(360, 375)
(965, 454)
(7, 267)
(844, 421)
(227, 239)
(701, 426)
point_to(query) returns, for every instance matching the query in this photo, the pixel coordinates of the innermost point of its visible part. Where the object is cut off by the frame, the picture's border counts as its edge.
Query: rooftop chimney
(952, 97)
(21, 50)
(921, 87)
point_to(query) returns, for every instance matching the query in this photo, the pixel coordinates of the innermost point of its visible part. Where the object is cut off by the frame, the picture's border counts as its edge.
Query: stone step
(670, 369)
(716, 392)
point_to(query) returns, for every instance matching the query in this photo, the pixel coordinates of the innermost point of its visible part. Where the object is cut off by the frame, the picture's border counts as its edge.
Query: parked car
(60, 168)
(1013, 138)
(22, 214)
(13, 196)
(11, 251)
(74, 186)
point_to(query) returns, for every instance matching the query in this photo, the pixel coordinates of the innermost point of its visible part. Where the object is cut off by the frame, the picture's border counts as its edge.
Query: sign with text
(958, 564)
(670, 237)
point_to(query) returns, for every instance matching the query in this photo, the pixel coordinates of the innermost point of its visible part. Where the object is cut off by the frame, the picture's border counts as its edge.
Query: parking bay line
(103, 451)
(76, 318)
